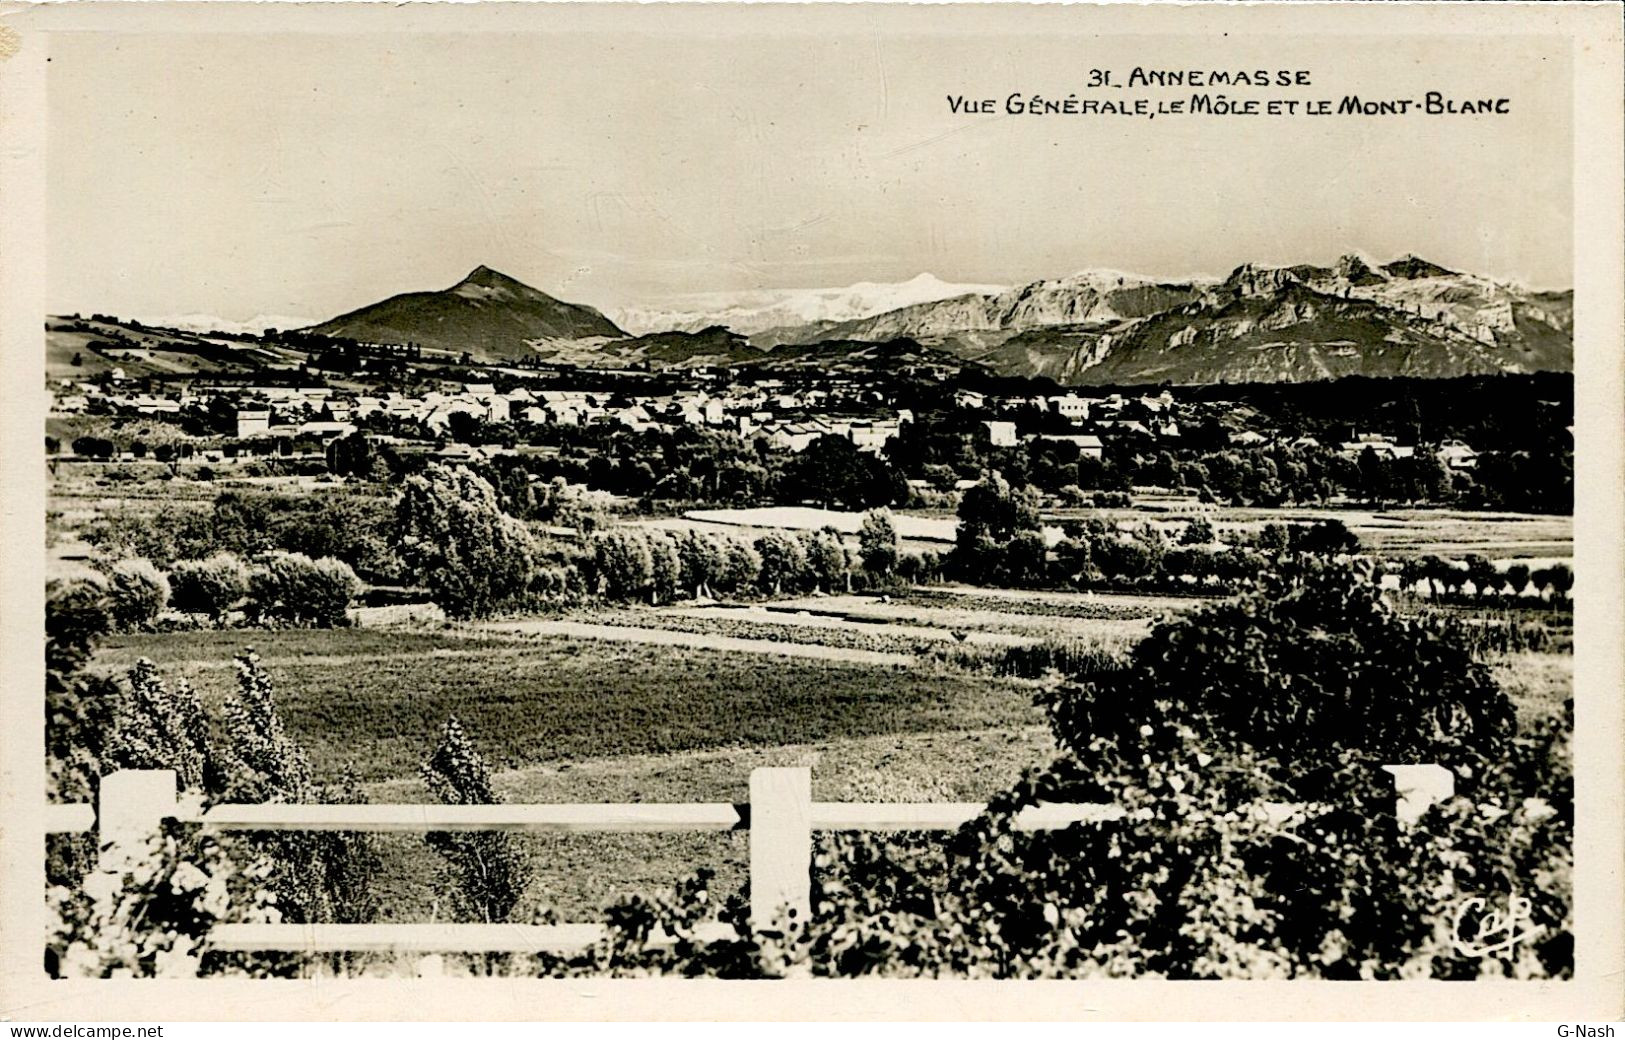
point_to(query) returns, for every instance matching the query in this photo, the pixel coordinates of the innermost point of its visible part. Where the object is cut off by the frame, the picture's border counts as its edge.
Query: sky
(307, 175)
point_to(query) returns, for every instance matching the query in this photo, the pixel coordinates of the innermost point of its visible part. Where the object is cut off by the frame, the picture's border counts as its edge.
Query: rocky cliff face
(1088, 297)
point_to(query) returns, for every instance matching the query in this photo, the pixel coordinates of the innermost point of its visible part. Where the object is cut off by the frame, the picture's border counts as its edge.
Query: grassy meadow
(376, 699)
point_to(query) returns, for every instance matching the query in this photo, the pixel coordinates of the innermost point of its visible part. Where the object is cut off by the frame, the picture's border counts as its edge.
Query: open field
(1400, 532)
(81, 492)
(974, 617)
(809, 518)
(1116, 606)
(1537, 683)
(62, 345)
(804, 626)
(155, 353)
(376, 699)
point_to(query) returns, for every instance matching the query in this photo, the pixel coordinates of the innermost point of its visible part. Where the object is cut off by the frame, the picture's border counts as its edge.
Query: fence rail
(427, 938)
(780, 818)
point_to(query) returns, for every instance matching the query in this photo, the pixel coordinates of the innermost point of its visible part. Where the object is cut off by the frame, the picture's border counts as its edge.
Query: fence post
(1417, 787)
(131, 806)
(780, 843)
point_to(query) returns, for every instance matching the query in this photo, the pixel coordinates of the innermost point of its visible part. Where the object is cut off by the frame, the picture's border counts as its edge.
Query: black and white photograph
(810, 494)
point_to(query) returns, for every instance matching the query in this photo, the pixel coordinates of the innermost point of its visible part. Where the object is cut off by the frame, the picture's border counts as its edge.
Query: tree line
(476, 548)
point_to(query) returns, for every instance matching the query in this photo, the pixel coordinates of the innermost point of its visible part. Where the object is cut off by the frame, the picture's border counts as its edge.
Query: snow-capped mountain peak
(210, 323)
(753, 310)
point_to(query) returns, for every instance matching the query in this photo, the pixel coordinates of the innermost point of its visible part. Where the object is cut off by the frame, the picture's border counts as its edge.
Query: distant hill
(254, 326)
(1408, 317)
(714, 346)
(488, 314)
(1262, 323)
(141, 349)
(853, 357)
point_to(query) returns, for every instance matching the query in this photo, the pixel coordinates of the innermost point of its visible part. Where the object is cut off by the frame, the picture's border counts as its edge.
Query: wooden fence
(780, 818)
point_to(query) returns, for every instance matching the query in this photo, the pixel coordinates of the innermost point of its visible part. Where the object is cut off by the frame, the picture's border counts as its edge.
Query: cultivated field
(1404, 532)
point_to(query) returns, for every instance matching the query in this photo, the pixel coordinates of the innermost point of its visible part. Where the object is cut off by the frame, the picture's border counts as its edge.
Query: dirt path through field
(838, 624)
(971, 617)
(663, 637)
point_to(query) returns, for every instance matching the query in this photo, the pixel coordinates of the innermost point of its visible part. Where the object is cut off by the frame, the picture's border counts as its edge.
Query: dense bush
(784, 563)
(1193, 875)
(1001, 541)
(877, 542)
(348, 526)
(701, 561)
(137, 593)
(158, 726)
(829, 565)
(1198, 880)
(623, 563)
(1303, 673)
(1297, 694)
(318, 875)
(994, 543)
(150, 915)
(78, 715)
(211, 586)
(293, 589)
(628, 563)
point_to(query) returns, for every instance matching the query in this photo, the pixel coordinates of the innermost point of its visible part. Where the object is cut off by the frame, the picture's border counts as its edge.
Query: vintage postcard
(559, 511)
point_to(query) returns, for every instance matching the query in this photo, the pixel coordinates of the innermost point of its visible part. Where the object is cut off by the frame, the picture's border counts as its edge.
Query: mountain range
(1261, 323)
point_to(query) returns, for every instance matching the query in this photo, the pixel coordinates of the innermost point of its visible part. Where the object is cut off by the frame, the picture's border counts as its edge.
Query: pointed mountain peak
(488, 314)
(1354, 269)
(491, 278)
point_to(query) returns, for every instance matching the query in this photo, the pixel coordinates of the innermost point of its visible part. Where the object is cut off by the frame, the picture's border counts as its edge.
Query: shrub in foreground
(486, 872)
